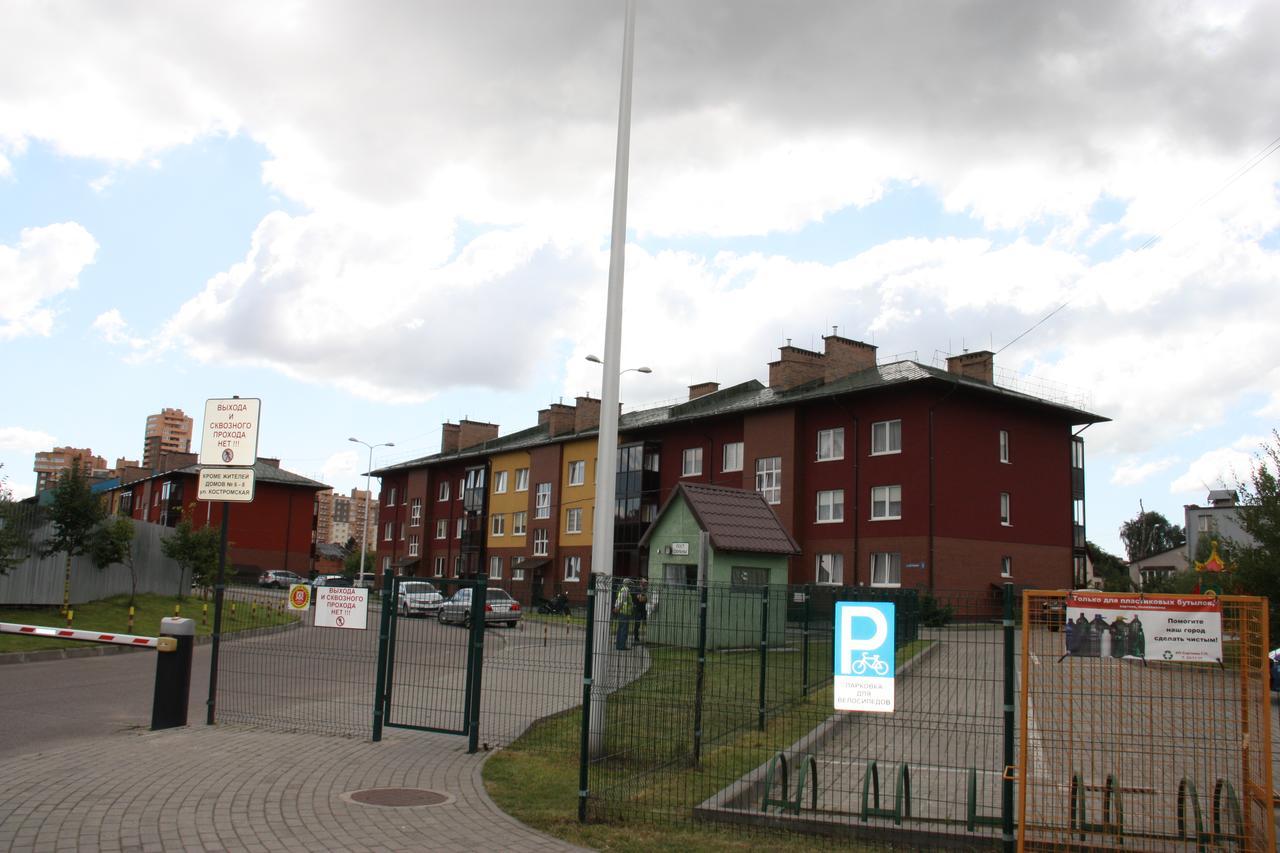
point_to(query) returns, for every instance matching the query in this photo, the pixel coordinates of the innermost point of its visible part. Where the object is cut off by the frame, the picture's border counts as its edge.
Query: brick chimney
(560, 418)
(978, 365)
(795, 366)
(845, 357)
(587, 414)
(475, 432)
(544, 417)
(702, 389)
(449, 434)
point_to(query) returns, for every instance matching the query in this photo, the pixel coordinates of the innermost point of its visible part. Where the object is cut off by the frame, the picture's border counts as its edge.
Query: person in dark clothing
(639, 608)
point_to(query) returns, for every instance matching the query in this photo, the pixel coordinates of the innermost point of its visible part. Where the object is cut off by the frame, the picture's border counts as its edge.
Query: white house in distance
(1219, 520)
(1158, 566)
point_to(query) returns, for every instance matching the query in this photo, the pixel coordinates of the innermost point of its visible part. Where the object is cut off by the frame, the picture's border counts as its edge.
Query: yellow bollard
(71, 615)
(204, 619)
(233, 610)
(130, 619)
(253, 611)
(177, 610)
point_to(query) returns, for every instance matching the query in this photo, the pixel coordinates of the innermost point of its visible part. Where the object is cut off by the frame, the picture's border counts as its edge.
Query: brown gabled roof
(736, 519)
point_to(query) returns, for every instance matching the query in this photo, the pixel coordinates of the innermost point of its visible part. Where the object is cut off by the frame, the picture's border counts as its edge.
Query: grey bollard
(173, 673)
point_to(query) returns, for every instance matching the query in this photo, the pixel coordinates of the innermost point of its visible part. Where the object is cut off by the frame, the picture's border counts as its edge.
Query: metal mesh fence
(1132, 742)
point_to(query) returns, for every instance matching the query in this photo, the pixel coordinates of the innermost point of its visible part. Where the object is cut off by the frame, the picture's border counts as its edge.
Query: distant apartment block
(340, 518)
(50, 464)
(169, 431)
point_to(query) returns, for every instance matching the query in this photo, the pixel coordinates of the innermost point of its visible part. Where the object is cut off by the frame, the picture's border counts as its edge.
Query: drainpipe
(933, 498)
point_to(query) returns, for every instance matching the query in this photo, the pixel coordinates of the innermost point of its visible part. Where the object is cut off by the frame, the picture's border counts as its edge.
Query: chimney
(449, 434)
(544, 417)
(269, 460)
(587, 414)
(978, 365)
(170, 461)
(794, 367)
(560, 418)
(702, 389)
(845, 357)
(475, 432)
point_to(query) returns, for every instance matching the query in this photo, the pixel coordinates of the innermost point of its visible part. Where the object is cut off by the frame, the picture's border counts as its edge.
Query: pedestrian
(640, 610)
(622, 612)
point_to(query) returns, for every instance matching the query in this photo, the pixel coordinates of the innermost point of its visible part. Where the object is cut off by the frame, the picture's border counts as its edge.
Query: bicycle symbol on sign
(869, 661)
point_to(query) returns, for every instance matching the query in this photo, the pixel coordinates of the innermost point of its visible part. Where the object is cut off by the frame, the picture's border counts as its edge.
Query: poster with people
(1166, 628)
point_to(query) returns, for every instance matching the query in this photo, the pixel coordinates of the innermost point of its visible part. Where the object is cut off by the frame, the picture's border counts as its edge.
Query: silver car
(499, 608)
(418, 598)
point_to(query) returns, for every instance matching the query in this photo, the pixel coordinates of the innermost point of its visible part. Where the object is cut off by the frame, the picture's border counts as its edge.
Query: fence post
(219, 590)
(584, 743)
(392, 582)
(173, 674)
(475, 660)
(384, 647)
(808, 604)
(764, 650)
(1010, 721)
(700, 679)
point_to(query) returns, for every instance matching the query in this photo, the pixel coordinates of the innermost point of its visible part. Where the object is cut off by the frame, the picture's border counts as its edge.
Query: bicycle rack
(901, 794)
(1187, 790)
(1111, 802)
(789, 803)
(972, 817)
(1233, 803)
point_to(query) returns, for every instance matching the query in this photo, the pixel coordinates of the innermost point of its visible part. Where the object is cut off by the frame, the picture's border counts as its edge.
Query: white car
(418, 598)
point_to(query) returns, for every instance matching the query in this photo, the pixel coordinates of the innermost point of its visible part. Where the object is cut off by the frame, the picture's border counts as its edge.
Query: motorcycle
(558, 606)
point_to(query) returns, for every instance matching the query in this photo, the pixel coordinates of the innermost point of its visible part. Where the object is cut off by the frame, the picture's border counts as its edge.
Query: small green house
(745, 575)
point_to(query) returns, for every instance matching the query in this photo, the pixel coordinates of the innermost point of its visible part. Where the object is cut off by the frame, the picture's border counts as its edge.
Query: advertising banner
(1167, 628)
(342, 607)
(864, 659)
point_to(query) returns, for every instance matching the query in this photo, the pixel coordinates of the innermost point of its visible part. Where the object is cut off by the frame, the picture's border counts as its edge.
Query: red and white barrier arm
(72, 634)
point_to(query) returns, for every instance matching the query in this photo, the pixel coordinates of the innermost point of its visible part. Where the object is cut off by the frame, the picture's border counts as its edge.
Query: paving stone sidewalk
(236, 788)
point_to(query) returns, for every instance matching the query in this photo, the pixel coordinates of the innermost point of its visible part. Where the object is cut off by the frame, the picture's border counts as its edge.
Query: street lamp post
(364, 539)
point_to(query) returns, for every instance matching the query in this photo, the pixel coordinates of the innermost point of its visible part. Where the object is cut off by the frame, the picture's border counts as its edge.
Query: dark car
(499, 608)
(331, 580)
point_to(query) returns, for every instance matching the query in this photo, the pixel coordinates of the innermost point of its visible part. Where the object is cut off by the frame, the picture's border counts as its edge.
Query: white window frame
(413, 545)
(542, 501)
(572, 569)
(498, 524)
(522, 479)
(443, 494)
(415, 512)
(517, 574)
(442, 528)
(1006, 515)
(391, 497)
(1006, 567)
(769, 478)
(882, 500)
(462, 487)
(388, 531)
(1004, 446)
(402, 531)
(541, 542)
(495, 568)
(573, 520)
(577, 472)
(386, 565)
(882, 436)
(457, 566)
(439, 567)
(458, 533)
(886, 560)
(691, 462)
(832, 501)
(499, 482)
(830, 444)
(519, 523)
(833, 565)
(731, 457)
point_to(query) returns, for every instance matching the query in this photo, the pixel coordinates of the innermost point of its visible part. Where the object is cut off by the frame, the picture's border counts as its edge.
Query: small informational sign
(342, 607)
(225, 484)
(1165, 628)
(680, 549)
(299, 596)
(230, 431)
(864, 659)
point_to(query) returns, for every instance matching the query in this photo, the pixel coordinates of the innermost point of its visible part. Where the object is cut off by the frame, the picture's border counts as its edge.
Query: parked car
(331, 580)
(278, 579)
(365, 580)
(499, 608)
(418, 598)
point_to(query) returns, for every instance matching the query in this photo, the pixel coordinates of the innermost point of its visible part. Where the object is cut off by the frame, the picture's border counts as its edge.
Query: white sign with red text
(342, 607)
(1186, 628)
(229, 434)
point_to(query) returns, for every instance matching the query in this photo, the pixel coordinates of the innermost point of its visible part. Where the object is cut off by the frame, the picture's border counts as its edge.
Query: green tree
(111, 543)
(75, 513)
(1109, 567)
(351, 563)
(195, 550)
(1258, 563)
(1150, 533)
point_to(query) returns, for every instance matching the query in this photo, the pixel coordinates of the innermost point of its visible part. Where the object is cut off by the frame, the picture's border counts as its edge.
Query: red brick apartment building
(896, 474)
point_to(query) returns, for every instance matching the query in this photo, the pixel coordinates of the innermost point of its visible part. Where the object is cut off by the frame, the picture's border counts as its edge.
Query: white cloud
(1220, 468)
(342, 467)
(113, 329)
(25, 440)
(1133, 473)
(45, 263)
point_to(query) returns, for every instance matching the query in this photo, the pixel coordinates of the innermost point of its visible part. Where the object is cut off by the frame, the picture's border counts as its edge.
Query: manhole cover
(399, 797)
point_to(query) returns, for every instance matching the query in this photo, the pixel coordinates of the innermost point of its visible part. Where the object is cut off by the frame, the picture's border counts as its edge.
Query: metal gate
(1119, 751)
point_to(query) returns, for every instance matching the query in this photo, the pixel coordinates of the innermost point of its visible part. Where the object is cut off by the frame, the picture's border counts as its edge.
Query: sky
(379, 217)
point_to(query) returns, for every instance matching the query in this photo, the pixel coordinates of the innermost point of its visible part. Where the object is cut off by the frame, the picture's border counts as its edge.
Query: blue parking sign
(864, 665)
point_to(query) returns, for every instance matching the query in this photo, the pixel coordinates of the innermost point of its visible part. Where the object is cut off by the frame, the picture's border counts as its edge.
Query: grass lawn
(112, 615)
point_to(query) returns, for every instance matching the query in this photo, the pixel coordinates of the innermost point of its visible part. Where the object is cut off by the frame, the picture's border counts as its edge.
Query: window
(831, 506)
(1004, 509)
(413, 545)
(1006, 567)
(691, 462)
(518, 522)
(732, 456)
(462, 487)
(475, 479)
(522, 479)
(500, 482)
(495, 568)
(572, 568)
(415, 513)
(886, 437)
(498, 524)
(752, 576)
(540, 539)
(391, 497)
(444, 490)
(1004, 446)
(442, 528)
(517, 574)
(542, 501)
(830, 569)
(439, 567)
(458, 534)
(573, 520)
(679, 574)
(1202, 524)
(830, 444)
(457, 566)
(388, 531)
(886, 502)
(577, 473)
(386, 565)
(886, 569)
(402, 531)
(769, 478)
(1077, 453)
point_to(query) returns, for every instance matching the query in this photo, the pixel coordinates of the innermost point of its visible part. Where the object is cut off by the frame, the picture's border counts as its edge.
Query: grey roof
(262, 473)
(748, 396)
(736, 519)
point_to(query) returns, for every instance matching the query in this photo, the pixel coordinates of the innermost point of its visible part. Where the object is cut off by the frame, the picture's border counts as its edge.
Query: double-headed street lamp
(364, 540)
(596, 359)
